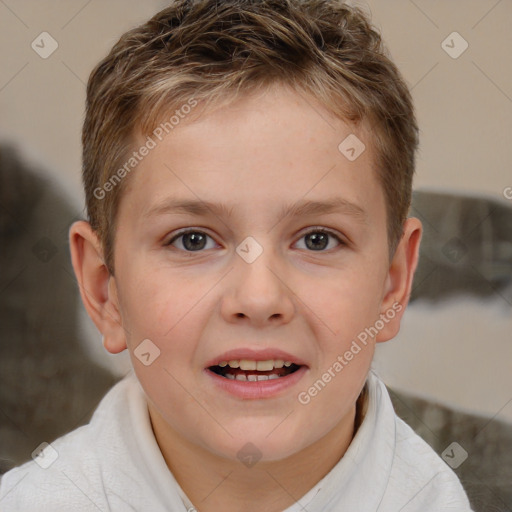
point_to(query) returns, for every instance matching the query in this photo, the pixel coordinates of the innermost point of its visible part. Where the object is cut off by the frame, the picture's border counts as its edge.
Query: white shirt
(114, 464)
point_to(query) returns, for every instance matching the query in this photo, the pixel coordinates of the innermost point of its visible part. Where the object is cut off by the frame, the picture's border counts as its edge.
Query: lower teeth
(251, 377)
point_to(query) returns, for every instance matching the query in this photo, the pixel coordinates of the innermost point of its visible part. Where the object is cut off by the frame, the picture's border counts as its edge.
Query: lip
(257, 390)
(255, 355)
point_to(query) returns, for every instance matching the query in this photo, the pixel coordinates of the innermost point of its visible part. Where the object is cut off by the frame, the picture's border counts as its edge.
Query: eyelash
(315, 230)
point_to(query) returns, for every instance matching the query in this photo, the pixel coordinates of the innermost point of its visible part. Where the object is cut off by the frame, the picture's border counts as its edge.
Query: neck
(215, 483)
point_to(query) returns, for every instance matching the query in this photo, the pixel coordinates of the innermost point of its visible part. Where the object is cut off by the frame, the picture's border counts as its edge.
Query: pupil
(315, 238)
(196, 240)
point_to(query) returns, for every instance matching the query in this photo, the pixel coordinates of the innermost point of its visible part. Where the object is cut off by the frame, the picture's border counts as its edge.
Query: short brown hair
(211, 50)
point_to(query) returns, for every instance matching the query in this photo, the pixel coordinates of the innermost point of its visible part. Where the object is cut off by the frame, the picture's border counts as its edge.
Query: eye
(195, 241)
(318, 239)
(191, 241)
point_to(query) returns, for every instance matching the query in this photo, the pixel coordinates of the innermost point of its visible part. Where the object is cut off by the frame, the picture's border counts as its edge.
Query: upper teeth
(262, 366)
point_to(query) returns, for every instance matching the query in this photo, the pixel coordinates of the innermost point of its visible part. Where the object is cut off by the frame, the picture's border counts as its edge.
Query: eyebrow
(298, 209)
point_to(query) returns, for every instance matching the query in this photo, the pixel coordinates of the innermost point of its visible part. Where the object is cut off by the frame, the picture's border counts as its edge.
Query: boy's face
(254, 281)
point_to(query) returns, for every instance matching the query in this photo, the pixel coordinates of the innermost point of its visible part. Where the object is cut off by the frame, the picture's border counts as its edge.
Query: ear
(97, 286)
(399, 279)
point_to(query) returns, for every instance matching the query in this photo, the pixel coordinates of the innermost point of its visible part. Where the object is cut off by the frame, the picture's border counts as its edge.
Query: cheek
(162, 307)
(170, 310)
(155, 301)
(332, 391)
(342, 306)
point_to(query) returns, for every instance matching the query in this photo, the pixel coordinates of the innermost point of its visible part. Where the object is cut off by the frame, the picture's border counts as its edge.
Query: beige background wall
(459, 352)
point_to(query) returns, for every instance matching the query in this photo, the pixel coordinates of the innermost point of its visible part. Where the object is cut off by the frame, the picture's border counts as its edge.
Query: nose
(258, 292)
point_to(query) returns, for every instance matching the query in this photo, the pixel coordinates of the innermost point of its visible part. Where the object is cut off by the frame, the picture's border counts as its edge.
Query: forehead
(266, 149)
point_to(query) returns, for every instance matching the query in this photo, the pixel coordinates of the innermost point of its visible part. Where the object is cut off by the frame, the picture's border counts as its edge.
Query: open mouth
(254, 371)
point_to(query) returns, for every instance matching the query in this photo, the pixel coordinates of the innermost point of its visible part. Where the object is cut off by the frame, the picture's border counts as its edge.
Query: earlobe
(400, 278)
(97, 286)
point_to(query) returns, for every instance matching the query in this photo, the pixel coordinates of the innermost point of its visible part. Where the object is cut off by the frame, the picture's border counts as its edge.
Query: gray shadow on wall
(48, 383)
(466, 247)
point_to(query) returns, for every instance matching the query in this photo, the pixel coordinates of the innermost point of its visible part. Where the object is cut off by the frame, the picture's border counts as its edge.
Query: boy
(247, 168)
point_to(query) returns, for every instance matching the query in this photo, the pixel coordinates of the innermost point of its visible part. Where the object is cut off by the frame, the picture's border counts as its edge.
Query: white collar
(371, 454)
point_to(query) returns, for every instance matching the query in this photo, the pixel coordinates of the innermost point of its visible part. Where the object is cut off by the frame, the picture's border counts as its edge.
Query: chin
(262, 444)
